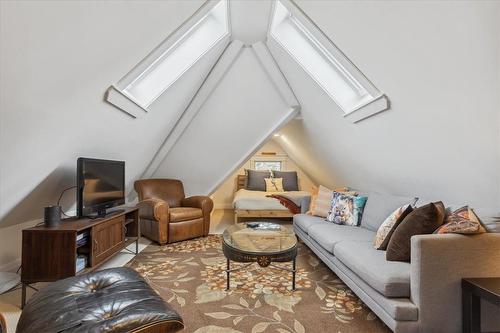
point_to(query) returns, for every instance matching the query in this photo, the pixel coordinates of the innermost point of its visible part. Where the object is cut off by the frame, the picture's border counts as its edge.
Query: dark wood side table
(473, 290)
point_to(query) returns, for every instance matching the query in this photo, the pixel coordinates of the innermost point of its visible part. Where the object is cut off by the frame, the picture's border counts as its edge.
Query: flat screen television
(100, 185)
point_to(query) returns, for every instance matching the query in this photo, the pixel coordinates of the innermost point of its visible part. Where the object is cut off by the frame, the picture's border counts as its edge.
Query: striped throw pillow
(321, 199)
(323, 202)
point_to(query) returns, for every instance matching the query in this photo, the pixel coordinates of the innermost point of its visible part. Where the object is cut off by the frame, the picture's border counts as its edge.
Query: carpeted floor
(190, 276)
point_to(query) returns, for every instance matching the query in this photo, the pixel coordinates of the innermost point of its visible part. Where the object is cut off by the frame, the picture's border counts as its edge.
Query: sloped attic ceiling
(419, 149)
(250, 101)
(51, 86)
(237, 118)
(441, 139)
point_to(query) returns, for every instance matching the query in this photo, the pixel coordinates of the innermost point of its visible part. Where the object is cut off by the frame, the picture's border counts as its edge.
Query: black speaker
(52, 216)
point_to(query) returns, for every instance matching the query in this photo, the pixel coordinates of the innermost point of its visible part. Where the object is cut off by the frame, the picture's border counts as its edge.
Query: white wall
(498, 45)
(240, 113)
(223, 197)
(57, 60)
(438, 62)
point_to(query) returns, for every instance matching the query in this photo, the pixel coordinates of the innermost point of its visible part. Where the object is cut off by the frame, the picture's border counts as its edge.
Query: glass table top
(260, 237)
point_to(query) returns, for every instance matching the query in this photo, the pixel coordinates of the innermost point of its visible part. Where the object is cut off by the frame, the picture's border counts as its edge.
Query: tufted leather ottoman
(111, 300)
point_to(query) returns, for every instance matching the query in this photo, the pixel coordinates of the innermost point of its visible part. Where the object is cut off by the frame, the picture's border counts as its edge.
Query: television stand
(50, 254)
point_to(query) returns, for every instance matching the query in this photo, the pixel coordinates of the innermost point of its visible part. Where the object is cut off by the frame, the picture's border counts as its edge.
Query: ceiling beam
(220, 68)
(275, 75)
(290, 115)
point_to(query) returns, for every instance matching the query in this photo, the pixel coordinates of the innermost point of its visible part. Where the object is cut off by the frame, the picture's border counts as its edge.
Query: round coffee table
(260, 242)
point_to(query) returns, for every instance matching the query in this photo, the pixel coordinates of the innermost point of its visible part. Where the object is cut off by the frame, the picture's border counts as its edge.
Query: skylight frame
(121, 90)
(333, 55)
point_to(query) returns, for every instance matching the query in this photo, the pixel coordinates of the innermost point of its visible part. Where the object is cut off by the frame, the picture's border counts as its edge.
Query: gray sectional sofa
(421, 296)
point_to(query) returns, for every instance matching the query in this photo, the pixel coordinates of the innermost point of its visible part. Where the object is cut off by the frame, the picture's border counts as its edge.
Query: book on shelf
(82, 238)
(81, 262)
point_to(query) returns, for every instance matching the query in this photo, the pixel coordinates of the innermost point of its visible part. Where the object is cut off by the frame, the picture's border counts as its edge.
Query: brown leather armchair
(165, 213)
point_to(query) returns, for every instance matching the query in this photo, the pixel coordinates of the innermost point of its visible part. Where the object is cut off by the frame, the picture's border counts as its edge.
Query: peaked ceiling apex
(289, 28)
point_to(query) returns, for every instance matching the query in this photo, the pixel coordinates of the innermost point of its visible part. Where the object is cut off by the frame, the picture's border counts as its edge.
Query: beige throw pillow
(390, 224)
(323, 202)
(274, 184)
(314, 197)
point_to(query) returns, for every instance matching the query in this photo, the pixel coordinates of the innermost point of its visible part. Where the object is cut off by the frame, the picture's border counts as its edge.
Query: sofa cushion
(328, 234)
(178, 214)
(304, 221)
(379, 206)
(391, 279)
(398, 308)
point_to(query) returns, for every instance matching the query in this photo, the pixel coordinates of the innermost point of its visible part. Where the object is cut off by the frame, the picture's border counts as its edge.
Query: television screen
(101, 185)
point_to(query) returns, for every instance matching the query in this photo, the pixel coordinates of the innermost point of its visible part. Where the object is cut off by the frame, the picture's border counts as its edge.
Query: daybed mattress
(257, 200)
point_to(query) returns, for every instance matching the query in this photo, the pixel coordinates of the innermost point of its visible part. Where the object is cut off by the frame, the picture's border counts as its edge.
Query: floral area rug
(190, 275)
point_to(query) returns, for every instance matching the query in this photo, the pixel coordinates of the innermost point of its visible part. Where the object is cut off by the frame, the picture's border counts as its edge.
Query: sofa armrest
(153, 209)
(205, 204)
(438, 264)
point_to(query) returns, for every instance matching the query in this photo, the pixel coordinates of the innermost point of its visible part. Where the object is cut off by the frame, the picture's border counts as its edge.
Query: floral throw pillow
(390, 224)
(461, 221)
(346, 209)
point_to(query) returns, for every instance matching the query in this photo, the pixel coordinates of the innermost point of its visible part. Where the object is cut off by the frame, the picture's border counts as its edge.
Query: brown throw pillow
(422, 220)
(255, 180)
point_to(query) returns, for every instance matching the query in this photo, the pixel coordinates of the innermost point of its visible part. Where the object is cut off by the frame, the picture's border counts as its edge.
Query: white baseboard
(11, 266)
(223, 206)
(11, 243)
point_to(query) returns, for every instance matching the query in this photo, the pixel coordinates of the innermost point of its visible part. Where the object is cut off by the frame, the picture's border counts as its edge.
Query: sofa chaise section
(389, 310)
(422, 296)
(390, 278)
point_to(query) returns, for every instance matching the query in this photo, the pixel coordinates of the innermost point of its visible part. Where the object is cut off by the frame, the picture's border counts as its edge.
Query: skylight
(162, 70)
(320, 58)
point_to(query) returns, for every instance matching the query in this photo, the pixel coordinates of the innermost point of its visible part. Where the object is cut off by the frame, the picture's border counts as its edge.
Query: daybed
(258, 204)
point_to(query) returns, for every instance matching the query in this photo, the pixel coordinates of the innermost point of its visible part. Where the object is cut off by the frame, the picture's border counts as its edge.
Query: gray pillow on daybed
(290, 180)
(255, 180)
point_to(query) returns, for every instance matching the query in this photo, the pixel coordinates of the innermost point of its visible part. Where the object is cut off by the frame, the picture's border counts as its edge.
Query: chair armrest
(438, 265)
(153, 209)
(204, 203)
